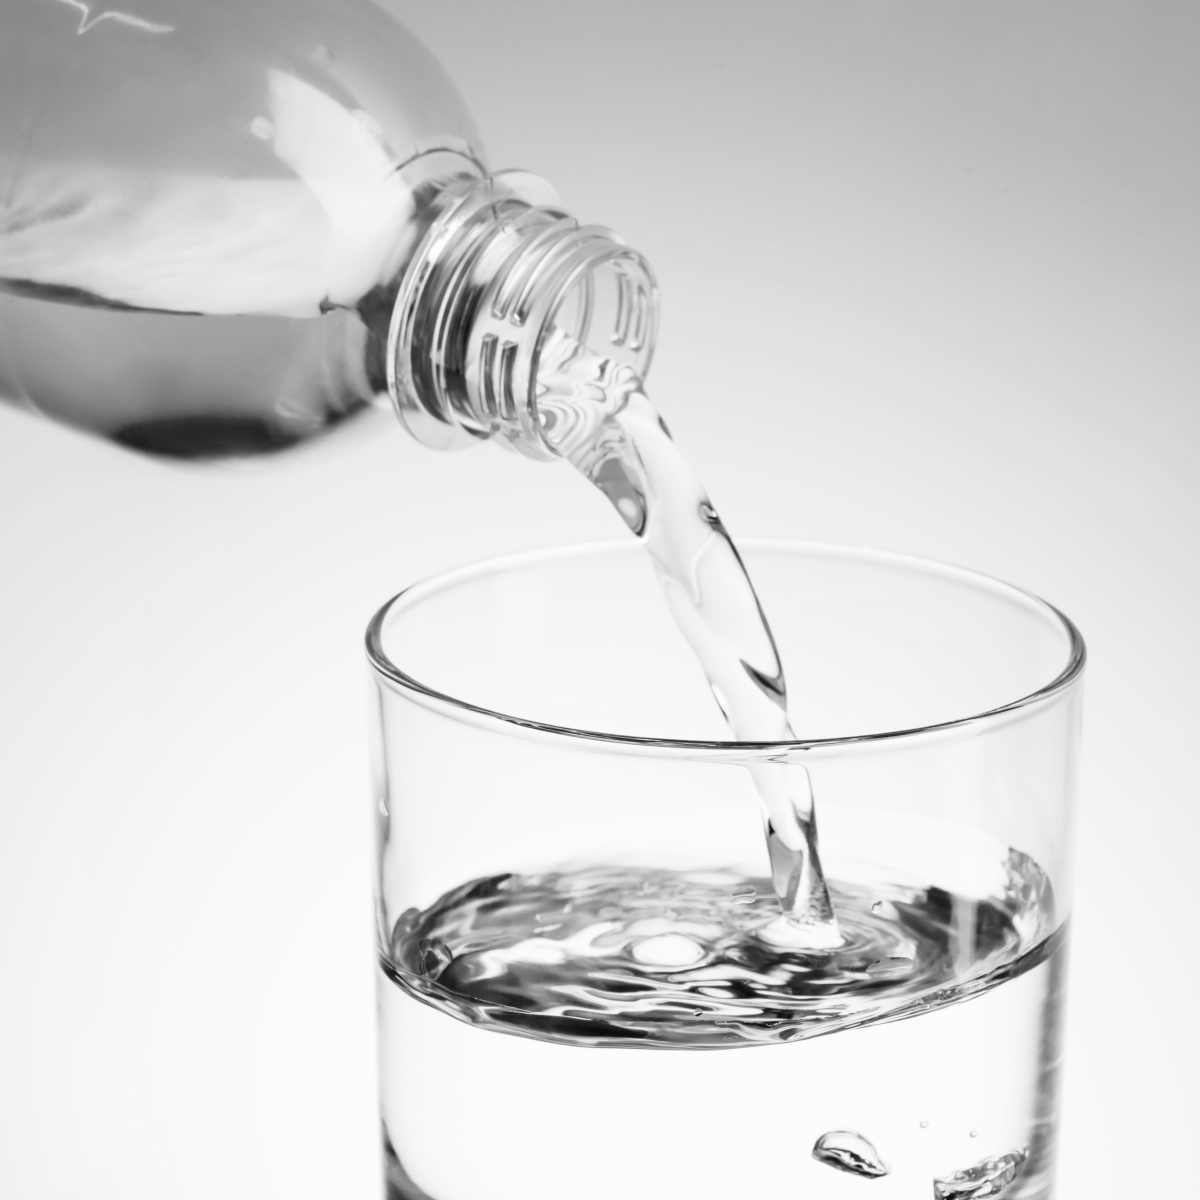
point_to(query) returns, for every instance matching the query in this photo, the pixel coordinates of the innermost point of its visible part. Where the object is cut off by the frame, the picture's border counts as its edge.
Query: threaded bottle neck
(501, 272)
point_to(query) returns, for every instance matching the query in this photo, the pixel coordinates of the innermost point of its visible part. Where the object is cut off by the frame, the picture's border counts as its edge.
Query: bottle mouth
(501, 273)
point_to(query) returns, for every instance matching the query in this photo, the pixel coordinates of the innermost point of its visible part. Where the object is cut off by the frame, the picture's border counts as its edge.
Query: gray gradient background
(930, 282)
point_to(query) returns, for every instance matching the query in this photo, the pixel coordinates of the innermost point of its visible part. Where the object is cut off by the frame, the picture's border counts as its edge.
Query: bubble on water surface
(668, 950)
(991, 1177)
(743, 895)
(850, 1152)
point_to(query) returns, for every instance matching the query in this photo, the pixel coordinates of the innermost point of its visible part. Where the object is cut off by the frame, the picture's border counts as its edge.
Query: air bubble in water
(877, 907)
(974, 1132)
(743, 895)
(987, 1178)
(851, 1152)
(435, 957)
(924, 1124)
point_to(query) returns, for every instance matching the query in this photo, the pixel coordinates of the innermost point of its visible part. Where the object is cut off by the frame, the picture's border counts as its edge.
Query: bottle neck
(502, 273)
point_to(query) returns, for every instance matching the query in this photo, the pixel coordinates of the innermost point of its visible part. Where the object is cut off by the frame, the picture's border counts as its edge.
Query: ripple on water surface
(627, 956)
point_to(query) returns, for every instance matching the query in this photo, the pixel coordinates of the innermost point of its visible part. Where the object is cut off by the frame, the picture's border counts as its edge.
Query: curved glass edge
(724, 751)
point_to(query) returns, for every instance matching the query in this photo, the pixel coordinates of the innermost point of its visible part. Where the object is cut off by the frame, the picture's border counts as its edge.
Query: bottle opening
(502, 279)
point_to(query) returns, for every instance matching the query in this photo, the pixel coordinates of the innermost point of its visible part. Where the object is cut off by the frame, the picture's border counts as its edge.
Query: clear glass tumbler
(572, 886)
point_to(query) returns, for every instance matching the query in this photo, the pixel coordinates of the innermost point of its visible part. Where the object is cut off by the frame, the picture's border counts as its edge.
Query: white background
(930, 282)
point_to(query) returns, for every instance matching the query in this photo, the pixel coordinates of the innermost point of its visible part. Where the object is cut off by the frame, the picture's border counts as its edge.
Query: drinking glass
(564, 826)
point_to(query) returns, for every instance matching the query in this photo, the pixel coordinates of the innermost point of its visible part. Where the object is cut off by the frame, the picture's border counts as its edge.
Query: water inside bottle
(197, 312)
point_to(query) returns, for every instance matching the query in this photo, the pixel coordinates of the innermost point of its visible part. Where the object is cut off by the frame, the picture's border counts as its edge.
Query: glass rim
(476, 714)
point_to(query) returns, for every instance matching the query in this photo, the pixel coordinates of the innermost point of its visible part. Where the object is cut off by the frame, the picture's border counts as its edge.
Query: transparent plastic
(208, 210)
(547, 759)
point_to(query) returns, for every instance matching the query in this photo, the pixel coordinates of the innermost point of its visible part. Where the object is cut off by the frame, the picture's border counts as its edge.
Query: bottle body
(206, 211)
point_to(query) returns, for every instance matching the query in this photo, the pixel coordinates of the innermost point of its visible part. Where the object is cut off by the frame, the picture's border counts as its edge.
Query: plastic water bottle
(228, 225)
